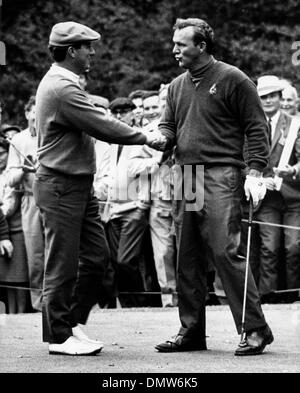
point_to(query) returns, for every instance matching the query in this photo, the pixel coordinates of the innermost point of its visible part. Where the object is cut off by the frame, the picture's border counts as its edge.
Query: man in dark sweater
(76, 251)
(209, 110)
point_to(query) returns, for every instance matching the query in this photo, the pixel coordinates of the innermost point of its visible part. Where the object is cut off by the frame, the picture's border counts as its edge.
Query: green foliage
(136, 46)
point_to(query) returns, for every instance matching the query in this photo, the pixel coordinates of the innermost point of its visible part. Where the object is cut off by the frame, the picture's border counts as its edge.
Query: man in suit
(279, 206)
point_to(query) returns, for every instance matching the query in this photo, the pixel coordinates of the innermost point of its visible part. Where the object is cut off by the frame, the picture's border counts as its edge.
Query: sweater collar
(196, 74)
(58, 70)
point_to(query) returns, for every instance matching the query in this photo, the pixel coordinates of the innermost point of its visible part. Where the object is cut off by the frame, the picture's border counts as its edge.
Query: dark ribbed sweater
(208, 121)
(66, 121)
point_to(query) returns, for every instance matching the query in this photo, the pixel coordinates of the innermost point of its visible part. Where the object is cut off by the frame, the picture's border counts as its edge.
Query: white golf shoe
(74, 346)
(79, 333)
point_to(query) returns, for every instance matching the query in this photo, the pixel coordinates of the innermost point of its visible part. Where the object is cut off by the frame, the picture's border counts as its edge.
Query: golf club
(247, 268)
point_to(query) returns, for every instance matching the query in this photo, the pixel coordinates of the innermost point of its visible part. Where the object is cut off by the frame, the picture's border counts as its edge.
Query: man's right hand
(156, 140)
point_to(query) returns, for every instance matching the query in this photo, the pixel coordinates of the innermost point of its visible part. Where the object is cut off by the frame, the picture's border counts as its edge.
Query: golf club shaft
(247, 267)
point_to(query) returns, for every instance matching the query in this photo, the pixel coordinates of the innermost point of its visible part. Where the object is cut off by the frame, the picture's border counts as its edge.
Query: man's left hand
(256, 188)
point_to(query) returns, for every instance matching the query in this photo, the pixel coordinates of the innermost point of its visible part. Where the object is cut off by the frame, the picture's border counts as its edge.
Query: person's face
(151, 108)
(31, 117)
(3, 158)
(185, 51)
(289, 102)
(271, 103)
(139, 110)
(124, 114)
(82, 57)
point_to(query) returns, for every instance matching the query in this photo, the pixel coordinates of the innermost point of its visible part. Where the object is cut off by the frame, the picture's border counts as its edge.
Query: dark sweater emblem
(213, 89)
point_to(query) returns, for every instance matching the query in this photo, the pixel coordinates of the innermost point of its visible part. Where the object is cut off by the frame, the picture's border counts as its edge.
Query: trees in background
(136, 47)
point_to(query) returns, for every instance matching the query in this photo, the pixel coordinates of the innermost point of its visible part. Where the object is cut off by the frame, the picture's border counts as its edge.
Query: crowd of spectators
(134, 186)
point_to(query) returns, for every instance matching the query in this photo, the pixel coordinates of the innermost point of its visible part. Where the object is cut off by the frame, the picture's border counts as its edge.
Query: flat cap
(121, 103)
(67, 33)
(7, 127)
(268, 84)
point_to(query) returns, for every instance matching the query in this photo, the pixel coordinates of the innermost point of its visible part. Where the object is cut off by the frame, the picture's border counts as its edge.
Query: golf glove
(256, 188)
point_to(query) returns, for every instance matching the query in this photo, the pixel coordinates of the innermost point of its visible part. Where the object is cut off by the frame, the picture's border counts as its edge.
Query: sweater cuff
(4, 236)
(257, 166)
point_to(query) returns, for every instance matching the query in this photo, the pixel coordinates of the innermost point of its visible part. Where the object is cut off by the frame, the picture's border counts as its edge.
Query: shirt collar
(56, 69)
(275, 118)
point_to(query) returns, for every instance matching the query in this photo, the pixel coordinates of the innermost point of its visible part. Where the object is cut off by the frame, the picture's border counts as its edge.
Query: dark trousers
(270, 242)
(212, 234)
(270, 246)
(76, 251)
(254, 257)
(125, 235)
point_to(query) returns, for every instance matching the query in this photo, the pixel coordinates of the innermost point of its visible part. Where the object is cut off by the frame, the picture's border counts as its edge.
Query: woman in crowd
(13, 261)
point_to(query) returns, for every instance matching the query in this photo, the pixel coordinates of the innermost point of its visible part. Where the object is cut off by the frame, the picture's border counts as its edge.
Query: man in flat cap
(75, 244)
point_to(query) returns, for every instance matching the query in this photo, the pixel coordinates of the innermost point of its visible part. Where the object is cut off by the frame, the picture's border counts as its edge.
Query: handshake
(156, 140)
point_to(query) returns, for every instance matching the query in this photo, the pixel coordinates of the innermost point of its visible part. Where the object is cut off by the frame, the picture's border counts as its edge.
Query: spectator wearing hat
(8, 131)
(281, 204)
(21, 165)
(77, 252)
(126, 214)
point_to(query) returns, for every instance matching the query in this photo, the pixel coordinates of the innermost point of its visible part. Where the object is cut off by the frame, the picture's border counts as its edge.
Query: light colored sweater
(66, 120)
